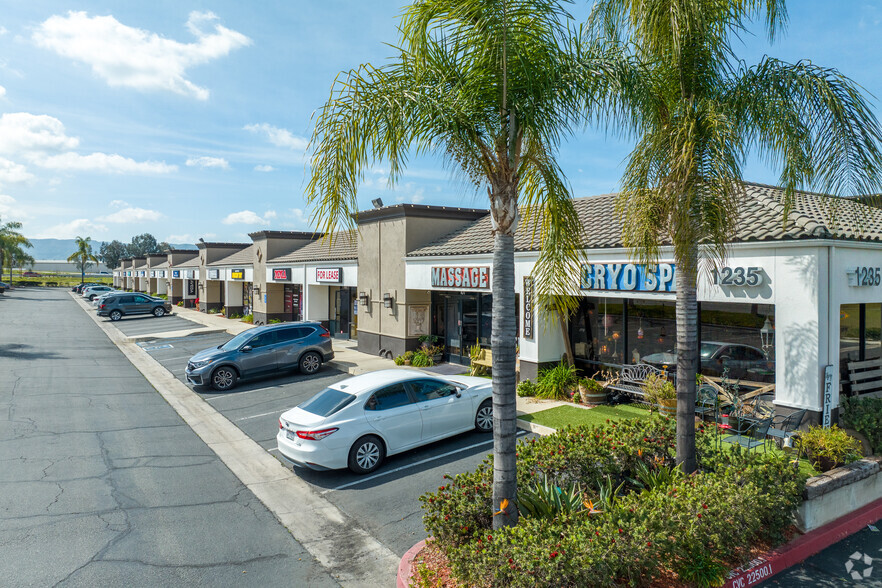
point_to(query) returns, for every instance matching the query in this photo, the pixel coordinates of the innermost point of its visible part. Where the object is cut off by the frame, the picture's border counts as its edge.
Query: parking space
(386, 503)
(132, 326)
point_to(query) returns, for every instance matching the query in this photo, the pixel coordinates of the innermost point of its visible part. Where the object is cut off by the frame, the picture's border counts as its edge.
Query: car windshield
(237, 341)
(708, 349)
(327, 402)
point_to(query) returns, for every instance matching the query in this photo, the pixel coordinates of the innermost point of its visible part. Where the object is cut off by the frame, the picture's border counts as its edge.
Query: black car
(129, 303)
(79, 287)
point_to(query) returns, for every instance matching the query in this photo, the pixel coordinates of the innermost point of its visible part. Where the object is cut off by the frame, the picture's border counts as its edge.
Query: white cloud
(279, 137)
(2, 91)
(3, 30)
(81, 227)
(248, 217)
(23, 133)
(102, 162)
(11, 210)
(131, 57)
(264, 168)
(218, 162)
(185, 238)
(12, 172)
(131, 215)
(118, 203)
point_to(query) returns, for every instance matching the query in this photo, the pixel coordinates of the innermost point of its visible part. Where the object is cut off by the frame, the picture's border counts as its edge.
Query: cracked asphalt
(102, 483)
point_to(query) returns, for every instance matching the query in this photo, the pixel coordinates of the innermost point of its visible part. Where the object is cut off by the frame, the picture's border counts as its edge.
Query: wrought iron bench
(632, 378)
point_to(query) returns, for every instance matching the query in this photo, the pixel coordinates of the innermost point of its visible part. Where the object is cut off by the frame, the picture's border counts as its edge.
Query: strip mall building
(795, 304)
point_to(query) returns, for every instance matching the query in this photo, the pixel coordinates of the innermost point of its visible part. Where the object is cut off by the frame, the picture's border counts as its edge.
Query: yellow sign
(237, 274)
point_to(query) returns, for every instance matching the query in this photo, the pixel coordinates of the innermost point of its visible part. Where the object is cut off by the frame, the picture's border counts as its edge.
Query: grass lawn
(561, 416)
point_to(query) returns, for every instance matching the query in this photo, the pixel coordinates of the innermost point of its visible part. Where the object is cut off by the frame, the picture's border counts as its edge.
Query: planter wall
(839, 492)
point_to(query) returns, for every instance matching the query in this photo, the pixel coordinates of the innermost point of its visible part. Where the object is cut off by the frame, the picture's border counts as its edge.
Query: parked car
(126, 303)
(260, 351)
(358, 422)
(91, 292)
(79, 287)
(3, 287)
(743, 361)
(32, 275)
(102, 295)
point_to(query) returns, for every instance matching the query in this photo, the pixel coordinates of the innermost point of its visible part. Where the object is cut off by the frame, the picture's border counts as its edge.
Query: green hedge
(864, 415)
(693, 527)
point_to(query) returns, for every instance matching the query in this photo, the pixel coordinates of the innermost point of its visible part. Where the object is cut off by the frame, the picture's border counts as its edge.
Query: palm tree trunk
(503, 341)
(687, 355)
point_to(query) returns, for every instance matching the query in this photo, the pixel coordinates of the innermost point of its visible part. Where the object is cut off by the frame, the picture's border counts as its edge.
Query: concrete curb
(804, 547)
(534, 428)
(405, 568)
(346, 550)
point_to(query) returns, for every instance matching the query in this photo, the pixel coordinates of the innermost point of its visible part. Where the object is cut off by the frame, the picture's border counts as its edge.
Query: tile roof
(161, 265)
(344, 246)
(813, 216)
(242, 257)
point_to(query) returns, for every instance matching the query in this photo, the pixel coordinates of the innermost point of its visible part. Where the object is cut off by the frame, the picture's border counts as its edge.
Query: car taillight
(281, 426)
(102, 306)
(316, 435)
(325, 333)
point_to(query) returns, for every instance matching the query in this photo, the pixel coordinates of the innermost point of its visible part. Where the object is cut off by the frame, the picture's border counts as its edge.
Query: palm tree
(707, 113)
(491, 86)
(83, 256)
(21, 259)
(12, 245)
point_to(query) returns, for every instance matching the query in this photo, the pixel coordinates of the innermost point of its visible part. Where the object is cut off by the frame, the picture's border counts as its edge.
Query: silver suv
(264, 350)
(118, 305)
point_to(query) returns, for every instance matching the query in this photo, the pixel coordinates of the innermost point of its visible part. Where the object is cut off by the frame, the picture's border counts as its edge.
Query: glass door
(453, 328)
(341, 313)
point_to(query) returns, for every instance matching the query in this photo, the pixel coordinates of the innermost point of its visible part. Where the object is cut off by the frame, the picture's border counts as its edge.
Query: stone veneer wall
(839, 492)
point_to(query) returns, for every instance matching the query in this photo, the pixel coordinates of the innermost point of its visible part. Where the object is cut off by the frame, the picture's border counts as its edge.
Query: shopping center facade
(792, 306)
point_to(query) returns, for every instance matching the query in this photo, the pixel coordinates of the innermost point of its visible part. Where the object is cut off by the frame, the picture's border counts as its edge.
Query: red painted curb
(404, 568)
(803, 547)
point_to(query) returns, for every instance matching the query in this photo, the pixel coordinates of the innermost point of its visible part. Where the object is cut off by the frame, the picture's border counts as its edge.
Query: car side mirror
(458, 394)
(246, 349)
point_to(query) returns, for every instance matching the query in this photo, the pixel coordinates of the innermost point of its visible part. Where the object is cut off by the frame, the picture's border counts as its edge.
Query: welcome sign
(628, 277)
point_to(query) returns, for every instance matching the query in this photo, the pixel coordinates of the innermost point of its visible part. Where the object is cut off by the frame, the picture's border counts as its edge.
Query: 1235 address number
(738, 276)
(868, 276)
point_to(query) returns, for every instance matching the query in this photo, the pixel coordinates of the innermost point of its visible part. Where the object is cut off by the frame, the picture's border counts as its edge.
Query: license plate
(293, 437)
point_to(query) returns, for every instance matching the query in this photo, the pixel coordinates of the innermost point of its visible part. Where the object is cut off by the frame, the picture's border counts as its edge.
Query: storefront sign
(128, 274)
(152, 273)
(176, 274)
(213, 274)
(528, 307)
(828, 396)
(237, 274)
(282, 274)
(628, 277)
(191, 287)
(190, 274)
(864, 276)
(461, 277)
(329, 274)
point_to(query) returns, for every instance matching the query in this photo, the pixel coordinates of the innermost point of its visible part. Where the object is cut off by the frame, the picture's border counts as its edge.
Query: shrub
(526, 388)
(274, 321)
(864, 415)
(828, 448)
(659, 388)
(420, 359)
(555, 383)
(248, 318)
(591, 385)
(399, 360)
(547, 500)
(180, 303)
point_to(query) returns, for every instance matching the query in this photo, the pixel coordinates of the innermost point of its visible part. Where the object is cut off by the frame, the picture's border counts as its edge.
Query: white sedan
(359, 421)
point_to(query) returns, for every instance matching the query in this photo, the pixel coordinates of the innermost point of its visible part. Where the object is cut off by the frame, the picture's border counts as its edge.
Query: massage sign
(461, 277)
(628, 277)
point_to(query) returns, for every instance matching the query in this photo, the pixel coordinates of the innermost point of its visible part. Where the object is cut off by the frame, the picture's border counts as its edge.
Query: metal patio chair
(706, 401)
(784, 427)
(752, 435)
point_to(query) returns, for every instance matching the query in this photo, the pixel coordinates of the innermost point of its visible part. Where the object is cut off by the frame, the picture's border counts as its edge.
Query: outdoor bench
(633, 377)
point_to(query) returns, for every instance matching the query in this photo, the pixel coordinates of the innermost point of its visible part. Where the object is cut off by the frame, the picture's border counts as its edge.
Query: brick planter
(839, 491)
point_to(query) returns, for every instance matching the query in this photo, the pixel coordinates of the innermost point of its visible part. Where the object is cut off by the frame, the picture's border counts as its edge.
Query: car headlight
(200, 363)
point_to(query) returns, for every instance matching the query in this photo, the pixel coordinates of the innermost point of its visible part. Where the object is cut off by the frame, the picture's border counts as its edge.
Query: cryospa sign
(628, 277)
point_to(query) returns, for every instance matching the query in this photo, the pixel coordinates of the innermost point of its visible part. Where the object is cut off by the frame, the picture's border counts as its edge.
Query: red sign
(282, 274)
(461, 277)
(328, 274)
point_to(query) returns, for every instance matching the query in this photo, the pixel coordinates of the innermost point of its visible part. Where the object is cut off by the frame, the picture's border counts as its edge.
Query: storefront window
(652, 330)
(860, 328)
(738, 340)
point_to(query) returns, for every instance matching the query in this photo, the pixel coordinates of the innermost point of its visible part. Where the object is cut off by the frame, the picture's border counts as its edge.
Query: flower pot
(406, 362)
(438, 357)
(668, 406)
(592, 397)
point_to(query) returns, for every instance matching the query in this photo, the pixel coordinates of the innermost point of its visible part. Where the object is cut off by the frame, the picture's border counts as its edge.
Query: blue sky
(190, 119)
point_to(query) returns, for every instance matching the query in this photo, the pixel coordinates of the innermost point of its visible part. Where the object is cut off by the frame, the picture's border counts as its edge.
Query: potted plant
(828, 448)
(408, 357)
(591, 392)
(661, 392)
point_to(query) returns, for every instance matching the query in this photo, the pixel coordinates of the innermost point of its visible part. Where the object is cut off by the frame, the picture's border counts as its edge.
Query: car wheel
(158, 311)
(224, 378)
(484, 417)
(115, 315)
(310, 363)
(366, 455)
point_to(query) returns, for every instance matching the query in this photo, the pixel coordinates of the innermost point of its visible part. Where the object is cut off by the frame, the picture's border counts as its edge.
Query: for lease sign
(461, 277)
(328, 274)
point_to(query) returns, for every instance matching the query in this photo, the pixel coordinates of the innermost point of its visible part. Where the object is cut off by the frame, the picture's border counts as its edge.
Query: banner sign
(176, 274)
(528, 307)
(282, 274)
(828, 396)
(213, 274)
(237, 274)
(628, 277)
(329, 274)
(191, 287)
(461, 277)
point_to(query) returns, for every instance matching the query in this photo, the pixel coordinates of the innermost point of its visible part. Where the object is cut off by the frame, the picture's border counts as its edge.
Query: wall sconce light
(257, 290)
(364, 300)
(387, 300)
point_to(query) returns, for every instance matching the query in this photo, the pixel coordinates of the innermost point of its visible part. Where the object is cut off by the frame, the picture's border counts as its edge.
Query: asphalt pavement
(102, 483)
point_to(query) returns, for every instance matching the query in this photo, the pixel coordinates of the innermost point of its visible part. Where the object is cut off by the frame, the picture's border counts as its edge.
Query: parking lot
(385, 503)
(144, 324)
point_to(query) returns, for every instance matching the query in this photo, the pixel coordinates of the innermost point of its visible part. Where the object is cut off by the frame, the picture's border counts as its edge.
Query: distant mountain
(62, 248)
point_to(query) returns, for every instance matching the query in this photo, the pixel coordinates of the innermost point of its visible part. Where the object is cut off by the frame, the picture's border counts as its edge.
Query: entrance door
(453, 328)
(342, 310)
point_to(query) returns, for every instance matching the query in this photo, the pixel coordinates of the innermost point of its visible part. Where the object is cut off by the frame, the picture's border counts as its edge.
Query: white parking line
(411, 465)
(209, 399)
(254, 416)
(273, 449)
(162, 359)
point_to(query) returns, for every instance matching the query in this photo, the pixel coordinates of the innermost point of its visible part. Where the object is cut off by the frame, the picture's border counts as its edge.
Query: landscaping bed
(561, 416)
(610, 509)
